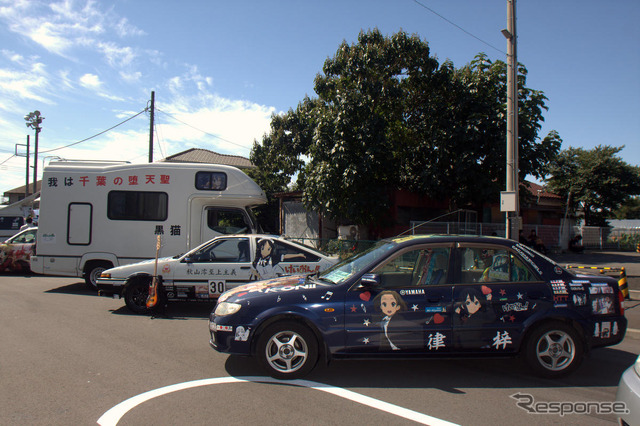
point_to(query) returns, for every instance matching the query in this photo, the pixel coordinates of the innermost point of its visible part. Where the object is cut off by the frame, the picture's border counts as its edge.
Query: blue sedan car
(431, 296)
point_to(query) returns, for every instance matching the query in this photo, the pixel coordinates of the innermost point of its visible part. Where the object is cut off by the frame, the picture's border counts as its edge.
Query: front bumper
(110, 287)
(230, 339)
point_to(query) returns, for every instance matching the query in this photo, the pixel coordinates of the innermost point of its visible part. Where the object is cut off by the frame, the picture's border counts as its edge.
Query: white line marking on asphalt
(113, 415)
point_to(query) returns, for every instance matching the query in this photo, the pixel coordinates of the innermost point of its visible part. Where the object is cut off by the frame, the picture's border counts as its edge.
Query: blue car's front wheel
(287, 350)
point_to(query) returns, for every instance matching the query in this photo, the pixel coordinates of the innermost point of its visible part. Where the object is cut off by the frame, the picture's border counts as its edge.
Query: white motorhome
(97, 215)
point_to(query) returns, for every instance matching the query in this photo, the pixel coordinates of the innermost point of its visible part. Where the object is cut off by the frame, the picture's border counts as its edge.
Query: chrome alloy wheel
(286, 351)
(555, 350)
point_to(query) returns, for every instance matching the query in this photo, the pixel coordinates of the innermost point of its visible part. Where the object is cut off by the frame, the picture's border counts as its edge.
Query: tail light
(621, 302)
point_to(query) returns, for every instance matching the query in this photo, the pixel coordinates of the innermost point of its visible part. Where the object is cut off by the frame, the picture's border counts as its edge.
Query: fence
(600, 238)
(594, 238)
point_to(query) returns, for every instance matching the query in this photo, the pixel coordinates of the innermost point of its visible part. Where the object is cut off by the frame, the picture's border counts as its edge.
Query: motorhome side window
(137, 205)
(212, 181)
(11, 222)
(228, 221)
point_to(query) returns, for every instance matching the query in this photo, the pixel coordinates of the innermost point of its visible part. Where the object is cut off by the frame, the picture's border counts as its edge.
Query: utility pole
(34, 120)
(153, 103)
(510, 200)
(26, 186)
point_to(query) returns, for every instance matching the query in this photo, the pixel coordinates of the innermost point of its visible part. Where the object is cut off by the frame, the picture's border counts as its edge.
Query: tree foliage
(630, 209)
(389, 116)
(595, 180)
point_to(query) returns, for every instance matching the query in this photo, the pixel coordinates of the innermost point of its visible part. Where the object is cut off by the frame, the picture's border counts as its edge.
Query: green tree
(389, 116)
(460, 134)
(596, 181)
(279, 157)
(630, 209)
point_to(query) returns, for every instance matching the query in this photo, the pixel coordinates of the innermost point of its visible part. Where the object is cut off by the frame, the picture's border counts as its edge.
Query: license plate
(217, 286)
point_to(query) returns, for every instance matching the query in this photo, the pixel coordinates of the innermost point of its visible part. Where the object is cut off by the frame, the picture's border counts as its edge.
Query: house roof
(539, 190)
(199, 155)
(21, 189)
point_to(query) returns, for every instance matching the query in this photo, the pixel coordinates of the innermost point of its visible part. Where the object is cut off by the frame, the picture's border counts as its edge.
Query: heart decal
(365, 296)
(438, 319)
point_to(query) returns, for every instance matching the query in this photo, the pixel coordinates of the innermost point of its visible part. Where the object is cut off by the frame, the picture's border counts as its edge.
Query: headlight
(636, 366)
(225, 308)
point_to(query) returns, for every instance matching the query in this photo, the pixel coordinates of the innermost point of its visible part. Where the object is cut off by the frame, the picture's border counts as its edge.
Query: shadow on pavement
(79, 288)
(174, 311)
(602, 368)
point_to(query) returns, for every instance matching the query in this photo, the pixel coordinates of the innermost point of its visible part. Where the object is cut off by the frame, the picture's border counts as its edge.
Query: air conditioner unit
(348, 232)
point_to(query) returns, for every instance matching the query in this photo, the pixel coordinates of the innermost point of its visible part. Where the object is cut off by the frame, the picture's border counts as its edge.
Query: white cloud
(131, 77)
(28, 84)
(115, 55)
(93, 83)
(49, 36)
(223, 125)
(124, 29)
(63, 27)
(90, 81)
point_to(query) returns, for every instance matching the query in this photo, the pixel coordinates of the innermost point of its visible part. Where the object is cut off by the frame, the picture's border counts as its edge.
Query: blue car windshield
(356, 264)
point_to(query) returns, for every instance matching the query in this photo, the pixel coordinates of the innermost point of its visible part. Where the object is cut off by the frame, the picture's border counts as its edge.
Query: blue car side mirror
(370, 280)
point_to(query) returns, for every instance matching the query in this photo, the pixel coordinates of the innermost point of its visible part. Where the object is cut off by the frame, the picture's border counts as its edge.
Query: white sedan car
(205, 272)
(629, 394)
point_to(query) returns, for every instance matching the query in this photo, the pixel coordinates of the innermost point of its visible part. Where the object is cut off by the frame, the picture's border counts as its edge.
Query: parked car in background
(207, 271)
(431, 296)
(629, 394)
(16, 252)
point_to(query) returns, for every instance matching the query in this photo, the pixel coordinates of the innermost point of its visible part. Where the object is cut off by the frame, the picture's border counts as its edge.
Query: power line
(459, 27)
(155, 130)
(200, 130)
(96, 135)
(7, 159)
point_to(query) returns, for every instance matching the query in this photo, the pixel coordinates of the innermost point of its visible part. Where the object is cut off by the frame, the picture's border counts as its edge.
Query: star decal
(365, 340)
(353, 308)
(366, 322)
(503, 292)
(520, 296)
(415, 308)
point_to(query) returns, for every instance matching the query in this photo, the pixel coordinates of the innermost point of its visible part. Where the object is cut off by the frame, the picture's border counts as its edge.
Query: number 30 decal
(216, 287)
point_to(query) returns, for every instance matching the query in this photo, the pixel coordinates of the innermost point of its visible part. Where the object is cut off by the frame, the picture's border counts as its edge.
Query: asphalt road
(69, 357)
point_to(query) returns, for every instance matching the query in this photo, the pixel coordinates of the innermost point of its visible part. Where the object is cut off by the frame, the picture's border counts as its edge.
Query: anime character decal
(15, 260)
(266, 263)
(474, 307)
(396, 332)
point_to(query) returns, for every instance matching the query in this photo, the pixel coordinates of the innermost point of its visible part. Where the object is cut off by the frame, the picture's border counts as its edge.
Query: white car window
(224, 251)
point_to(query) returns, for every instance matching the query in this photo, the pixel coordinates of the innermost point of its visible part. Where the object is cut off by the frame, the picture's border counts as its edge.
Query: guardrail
(622, 276)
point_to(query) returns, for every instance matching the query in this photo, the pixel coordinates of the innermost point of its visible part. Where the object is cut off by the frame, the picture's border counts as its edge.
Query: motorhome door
(223, 220)
(79, 224)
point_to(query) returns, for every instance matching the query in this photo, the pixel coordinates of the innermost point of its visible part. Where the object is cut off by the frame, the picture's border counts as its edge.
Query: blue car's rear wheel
(287, 350)
(554, 349)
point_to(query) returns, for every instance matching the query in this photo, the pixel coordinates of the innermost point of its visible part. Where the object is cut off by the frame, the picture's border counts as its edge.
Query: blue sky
(219, 69)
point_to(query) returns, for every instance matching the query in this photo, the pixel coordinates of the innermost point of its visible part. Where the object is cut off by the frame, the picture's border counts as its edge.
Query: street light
(34, 120)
